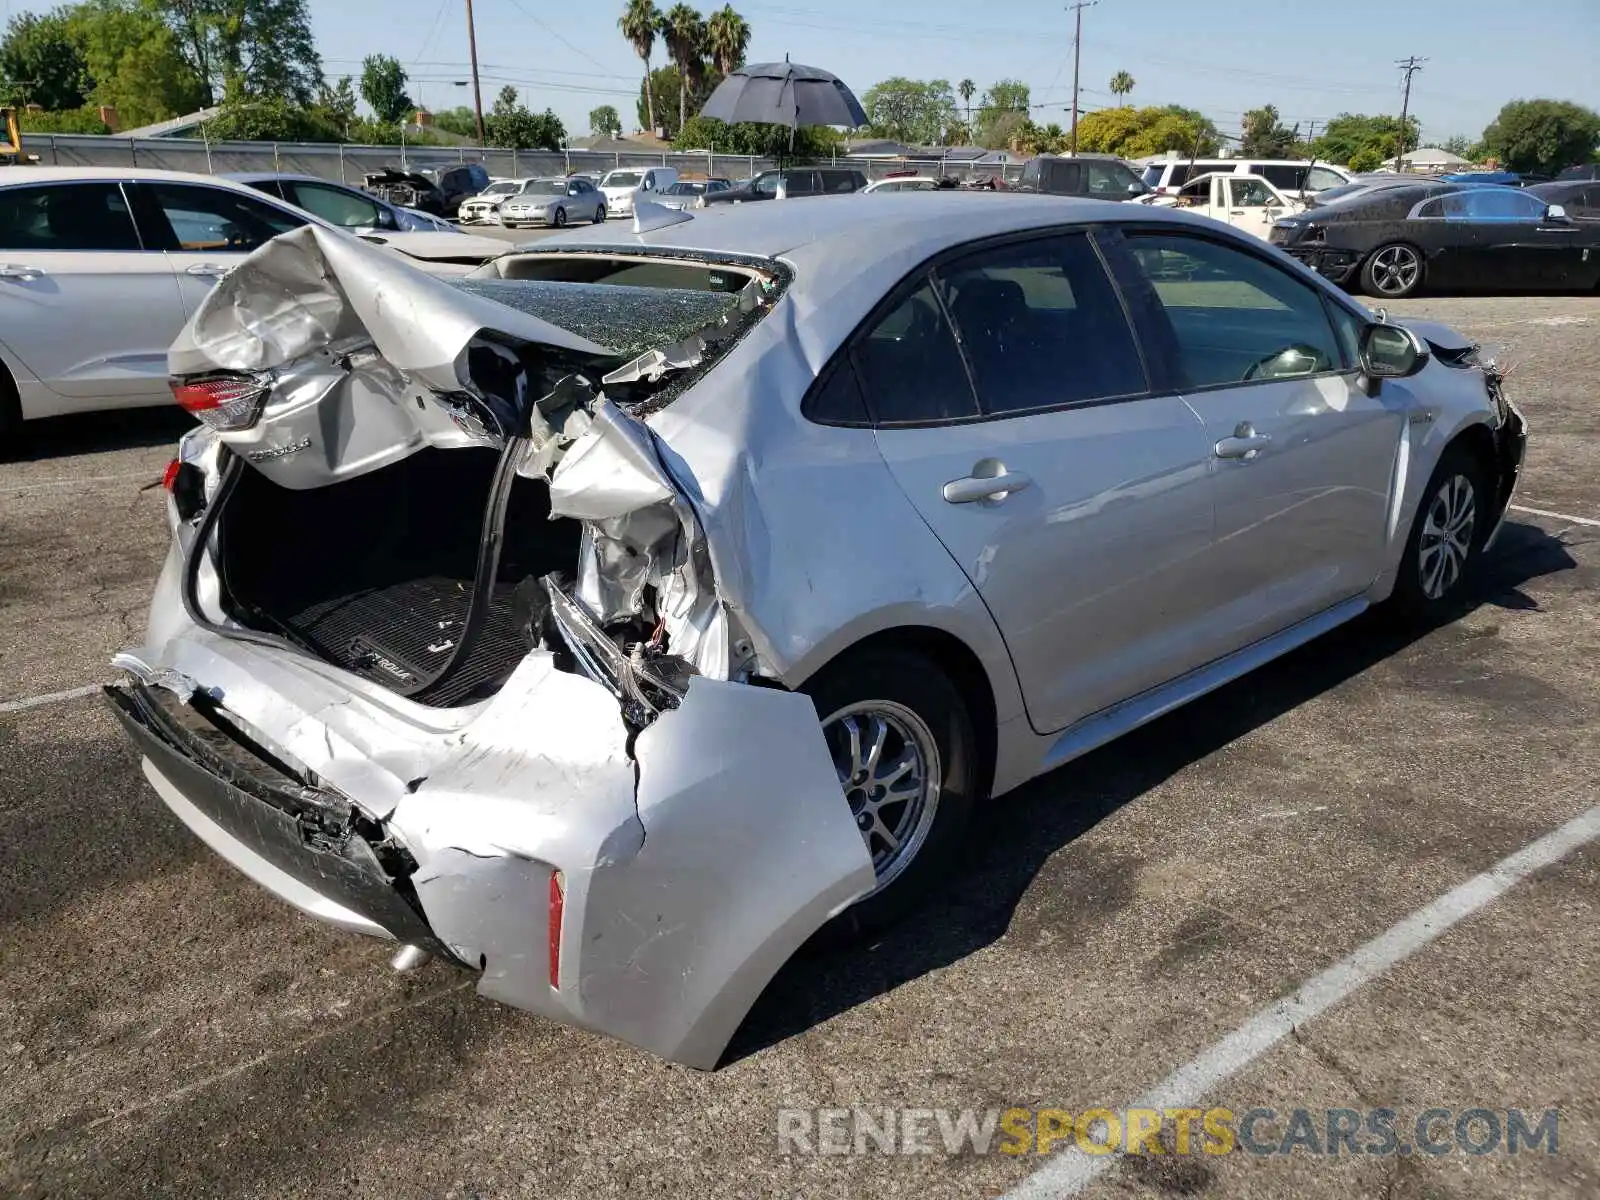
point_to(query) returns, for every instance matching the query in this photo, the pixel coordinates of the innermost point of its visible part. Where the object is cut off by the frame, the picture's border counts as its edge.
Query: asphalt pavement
(1128, 927)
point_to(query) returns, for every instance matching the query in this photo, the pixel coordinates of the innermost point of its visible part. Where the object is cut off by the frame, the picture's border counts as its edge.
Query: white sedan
(101, 267)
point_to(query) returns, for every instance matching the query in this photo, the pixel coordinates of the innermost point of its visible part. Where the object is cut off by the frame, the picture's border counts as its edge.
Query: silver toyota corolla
(610, 621)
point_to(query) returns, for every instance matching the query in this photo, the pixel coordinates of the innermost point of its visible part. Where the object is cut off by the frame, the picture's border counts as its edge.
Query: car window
(1249, 193)
(1320, 179)
(1041, 325)
(337, 207)
(1030, 173)
(838, 181)
(1151, 176)
(1496, 205)
(767, 184)
(910, 365)
(1063, 177)
(1236, 318)
(1286, 176)
(1107, 179)
(1199, 189)
(66, 216)
(206, 218)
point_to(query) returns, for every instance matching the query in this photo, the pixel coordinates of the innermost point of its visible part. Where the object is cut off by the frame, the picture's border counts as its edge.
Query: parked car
(1393, 242)
(484, 208)
(101, 266)
(1585, 171)
(439, 191)
(339, 204)
(1503, 178)
(1299, 178)
(833, 523)
(554, 202)
(790, 182)
(1246, 202)
(1579, 197)
(903, 183)
(624, 184)
(1101, 177)
(685, 192)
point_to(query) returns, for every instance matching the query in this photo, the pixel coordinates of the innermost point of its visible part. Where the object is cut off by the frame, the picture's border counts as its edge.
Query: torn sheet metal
(679, 909)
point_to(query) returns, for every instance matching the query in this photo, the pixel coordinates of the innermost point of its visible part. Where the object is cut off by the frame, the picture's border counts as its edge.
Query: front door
(1077, 503)
(83, 305)
(1302, 458)
(207, 230)
(1252, 205)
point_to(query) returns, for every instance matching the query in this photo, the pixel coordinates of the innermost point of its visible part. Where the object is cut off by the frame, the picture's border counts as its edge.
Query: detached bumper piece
(1337, 265)
(314, 836)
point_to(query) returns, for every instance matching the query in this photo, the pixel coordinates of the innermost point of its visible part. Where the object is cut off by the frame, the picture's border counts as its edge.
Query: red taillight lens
(169, 477)
(558, 900)
(224, 402)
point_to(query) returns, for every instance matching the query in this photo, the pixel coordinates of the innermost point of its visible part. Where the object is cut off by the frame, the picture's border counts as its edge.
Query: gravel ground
(168, 1029)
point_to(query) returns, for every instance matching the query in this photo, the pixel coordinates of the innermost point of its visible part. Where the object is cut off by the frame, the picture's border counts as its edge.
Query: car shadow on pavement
(1032, 823)
(96, 433)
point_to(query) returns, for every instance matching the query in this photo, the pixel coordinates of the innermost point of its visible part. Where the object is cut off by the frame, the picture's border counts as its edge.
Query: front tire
(600, 214)
(1447, 535)
(903, 746)
(1393, 272)
(560, 218)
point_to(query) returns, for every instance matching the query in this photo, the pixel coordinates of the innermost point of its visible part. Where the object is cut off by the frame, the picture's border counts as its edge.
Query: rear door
(207, 231)
(1077, 503)
(83, 304)
(340, 207)
(1301, 458)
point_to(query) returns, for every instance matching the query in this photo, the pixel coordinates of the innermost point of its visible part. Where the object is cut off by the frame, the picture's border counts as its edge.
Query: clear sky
(1313, 60)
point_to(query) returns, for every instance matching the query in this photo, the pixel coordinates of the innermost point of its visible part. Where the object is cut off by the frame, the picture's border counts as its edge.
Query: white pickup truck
(1246, 202)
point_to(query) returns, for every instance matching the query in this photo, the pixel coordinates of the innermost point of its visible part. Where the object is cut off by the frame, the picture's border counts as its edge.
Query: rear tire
(600, 214)
(1393, 272)
(1447, 534)
(909, 710)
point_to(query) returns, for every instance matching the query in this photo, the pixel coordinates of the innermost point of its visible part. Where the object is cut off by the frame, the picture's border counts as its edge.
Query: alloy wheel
(1447, 532)
(888, 765)
(1395, 270)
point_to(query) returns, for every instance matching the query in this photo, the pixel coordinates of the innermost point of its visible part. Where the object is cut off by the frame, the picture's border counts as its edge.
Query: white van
(1297, 177)
(622, 185)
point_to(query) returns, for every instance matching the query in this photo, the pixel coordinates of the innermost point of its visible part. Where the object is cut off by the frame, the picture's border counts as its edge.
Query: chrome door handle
(213, 270)
(10, 271)
(985, 487)
(1242, 445)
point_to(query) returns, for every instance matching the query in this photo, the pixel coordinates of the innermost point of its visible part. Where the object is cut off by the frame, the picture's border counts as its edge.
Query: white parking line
(11, 706)
(1554, 516)
(151, 476)
(1073, 1170)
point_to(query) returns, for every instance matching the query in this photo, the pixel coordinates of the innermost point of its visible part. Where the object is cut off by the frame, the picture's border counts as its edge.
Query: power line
(580, 53)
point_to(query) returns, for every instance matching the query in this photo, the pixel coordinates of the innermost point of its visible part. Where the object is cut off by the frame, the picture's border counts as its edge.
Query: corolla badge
(273, 452)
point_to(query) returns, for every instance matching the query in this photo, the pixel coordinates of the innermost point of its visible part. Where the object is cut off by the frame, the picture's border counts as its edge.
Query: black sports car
(1394, 241)
(1580, 197)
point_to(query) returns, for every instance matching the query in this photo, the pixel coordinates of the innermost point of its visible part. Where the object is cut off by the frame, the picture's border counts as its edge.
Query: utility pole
(1077, 41)
(477, 94)
(1410, 66)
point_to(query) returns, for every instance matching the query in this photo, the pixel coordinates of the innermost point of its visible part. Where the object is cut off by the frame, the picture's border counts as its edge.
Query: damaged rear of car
(439, 652)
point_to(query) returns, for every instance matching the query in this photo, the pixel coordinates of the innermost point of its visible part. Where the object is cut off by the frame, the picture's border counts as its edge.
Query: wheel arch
(1477, 439)
(10, 400)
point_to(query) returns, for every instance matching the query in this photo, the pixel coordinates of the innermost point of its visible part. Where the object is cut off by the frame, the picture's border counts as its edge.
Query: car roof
(10, 176)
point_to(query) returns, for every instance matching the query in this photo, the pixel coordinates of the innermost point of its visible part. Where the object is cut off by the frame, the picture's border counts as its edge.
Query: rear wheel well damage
(956, 660)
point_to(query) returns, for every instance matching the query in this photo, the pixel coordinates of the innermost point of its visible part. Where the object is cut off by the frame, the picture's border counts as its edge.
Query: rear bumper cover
(695, 858)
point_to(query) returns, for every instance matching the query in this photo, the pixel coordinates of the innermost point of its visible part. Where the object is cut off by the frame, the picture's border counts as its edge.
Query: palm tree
(685, 34)
(727, 38)
(640, 22)
(968, 90)
(1121, 83)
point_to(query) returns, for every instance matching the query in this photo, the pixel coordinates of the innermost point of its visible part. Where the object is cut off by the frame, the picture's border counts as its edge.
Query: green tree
(604, 121)
(336, 105)
(73, 120)
(1543, 135)
(727, 39)
(383, 87)
(910, 110)
(1136, 132)
(1002, 113)
(967, 90)
(253, 48)
(685, 35)
(511, 125)
(1349, 133)
(1121, 84)
(42, 63)
(665, 81)
(274, 119)
(461, 121)
(135, 62)
(1368, 158)
(640, 23)
(1264, 135)
(1464, 146)
(763, 141)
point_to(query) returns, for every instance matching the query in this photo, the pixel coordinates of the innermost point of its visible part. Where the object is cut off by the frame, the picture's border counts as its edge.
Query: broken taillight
(169, 477)
(227, 403)
(558, 900)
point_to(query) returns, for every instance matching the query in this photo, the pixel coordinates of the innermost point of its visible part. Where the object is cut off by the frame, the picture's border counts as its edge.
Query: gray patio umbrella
(786, 94)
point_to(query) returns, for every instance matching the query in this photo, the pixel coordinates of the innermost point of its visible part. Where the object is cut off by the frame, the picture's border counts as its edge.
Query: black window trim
(112, 181)
(1176, 386)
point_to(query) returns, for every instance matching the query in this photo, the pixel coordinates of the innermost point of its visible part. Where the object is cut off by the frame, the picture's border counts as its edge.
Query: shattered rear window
(628, 319)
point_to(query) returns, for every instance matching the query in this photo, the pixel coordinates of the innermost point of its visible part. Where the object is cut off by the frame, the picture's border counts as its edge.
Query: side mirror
(1556, 214)
(387, 219)
(1391, 352)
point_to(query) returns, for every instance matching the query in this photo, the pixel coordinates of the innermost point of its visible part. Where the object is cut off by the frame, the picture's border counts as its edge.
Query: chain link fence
(348, 164)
